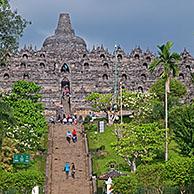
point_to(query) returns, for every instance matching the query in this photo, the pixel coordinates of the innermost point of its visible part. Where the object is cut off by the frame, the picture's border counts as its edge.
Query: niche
(105, 77)
(140, 89)
(119, 57)
(42, 55)
(188, 67)
(124, 77)
(106, 66)
(145, 65)
(2, 65)
(26, 76)
(23, 64)
(102, 56)
(181, 76)
(86, 65)
(148, 59)
(6, 76)
(136, 56)
(65, 68)
(25, 56)
(143, 77)
(42, 65)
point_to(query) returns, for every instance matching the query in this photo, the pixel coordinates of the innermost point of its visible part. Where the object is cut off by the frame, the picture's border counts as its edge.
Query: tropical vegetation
(156, 149)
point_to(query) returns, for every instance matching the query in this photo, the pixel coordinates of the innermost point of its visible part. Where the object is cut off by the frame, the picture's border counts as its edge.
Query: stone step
(63, 152)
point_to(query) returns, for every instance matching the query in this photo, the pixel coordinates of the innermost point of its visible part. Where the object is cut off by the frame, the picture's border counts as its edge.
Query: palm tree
(169, 62)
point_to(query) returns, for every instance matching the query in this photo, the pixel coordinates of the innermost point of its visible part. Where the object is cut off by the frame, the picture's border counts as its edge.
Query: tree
(28, 112)
(26, 90)
(22, 181)
(169, 62)
(11, 28)
(177, 91)
(182, 123)
(140, 104)
(101, 102)
(7, 152)
(139, 142)
(152, 176)
(125, 184)
(6, 116)
(180, 172)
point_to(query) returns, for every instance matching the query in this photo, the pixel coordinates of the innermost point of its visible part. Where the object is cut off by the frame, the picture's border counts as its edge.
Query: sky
(128, 23)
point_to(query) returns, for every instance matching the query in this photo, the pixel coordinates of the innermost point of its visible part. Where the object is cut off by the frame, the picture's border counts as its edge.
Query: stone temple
(64, 64)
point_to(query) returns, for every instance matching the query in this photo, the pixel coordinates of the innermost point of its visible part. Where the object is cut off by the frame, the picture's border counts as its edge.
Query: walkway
(61, 152)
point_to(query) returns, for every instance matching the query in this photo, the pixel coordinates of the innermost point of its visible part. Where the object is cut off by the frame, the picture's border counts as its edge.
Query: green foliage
(21, 181)
(11, 28)
(26, 136)
(125, 184)
(157, 178)
(100, 102)
(192, 77)
(141, 142)
(90, 127)
(182, 123)
(28, 113)
(168, 60)
(26, 90)
(102, 152)
(177, 89)
(139, 103)
(6, 116)
(152, 176)
(180, 172)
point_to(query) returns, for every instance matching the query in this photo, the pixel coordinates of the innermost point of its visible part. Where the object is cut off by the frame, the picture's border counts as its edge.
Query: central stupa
(64, 36)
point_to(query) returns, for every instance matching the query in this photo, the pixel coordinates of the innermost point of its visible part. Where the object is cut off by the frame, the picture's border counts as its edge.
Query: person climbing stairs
(60, 152)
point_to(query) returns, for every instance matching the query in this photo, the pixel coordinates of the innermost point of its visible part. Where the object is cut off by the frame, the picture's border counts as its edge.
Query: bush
(90, 127)
(125, 184)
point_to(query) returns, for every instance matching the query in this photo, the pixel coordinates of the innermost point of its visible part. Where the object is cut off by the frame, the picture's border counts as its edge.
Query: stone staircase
(61, 152)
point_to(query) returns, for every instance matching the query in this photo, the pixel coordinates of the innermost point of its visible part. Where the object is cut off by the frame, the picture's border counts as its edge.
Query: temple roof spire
(64, 25)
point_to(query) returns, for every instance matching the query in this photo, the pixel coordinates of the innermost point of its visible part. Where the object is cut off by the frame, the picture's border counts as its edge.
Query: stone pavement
(61, 152)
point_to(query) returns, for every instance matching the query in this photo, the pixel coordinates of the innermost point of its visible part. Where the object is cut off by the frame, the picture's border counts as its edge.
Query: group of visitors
(71, 136)
(68, 168)
(69, 119)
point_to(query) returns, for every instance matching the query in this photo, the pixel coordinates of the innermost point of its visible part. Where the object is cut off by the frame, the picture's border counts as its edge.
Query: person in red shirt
(74, 132)
(74, 135)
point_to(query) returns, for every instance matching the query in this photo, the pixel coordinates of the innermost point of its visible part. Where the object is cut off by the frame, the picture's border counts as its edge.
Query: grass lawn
(102, 153)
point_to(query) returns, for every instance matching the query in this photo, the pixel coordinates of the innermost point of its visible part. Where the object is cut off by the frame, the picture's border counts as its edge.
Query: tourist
(73, 170)
(52, 120)
(64, 120)
(74, 132)
(70, 120)
(67, 169)
(74, 136)
(68, 136)
(75, 121)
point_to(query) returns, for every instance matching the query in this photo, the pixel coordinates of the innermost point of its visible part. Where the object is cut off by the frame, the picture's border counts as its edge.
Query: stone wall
(88, 71)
